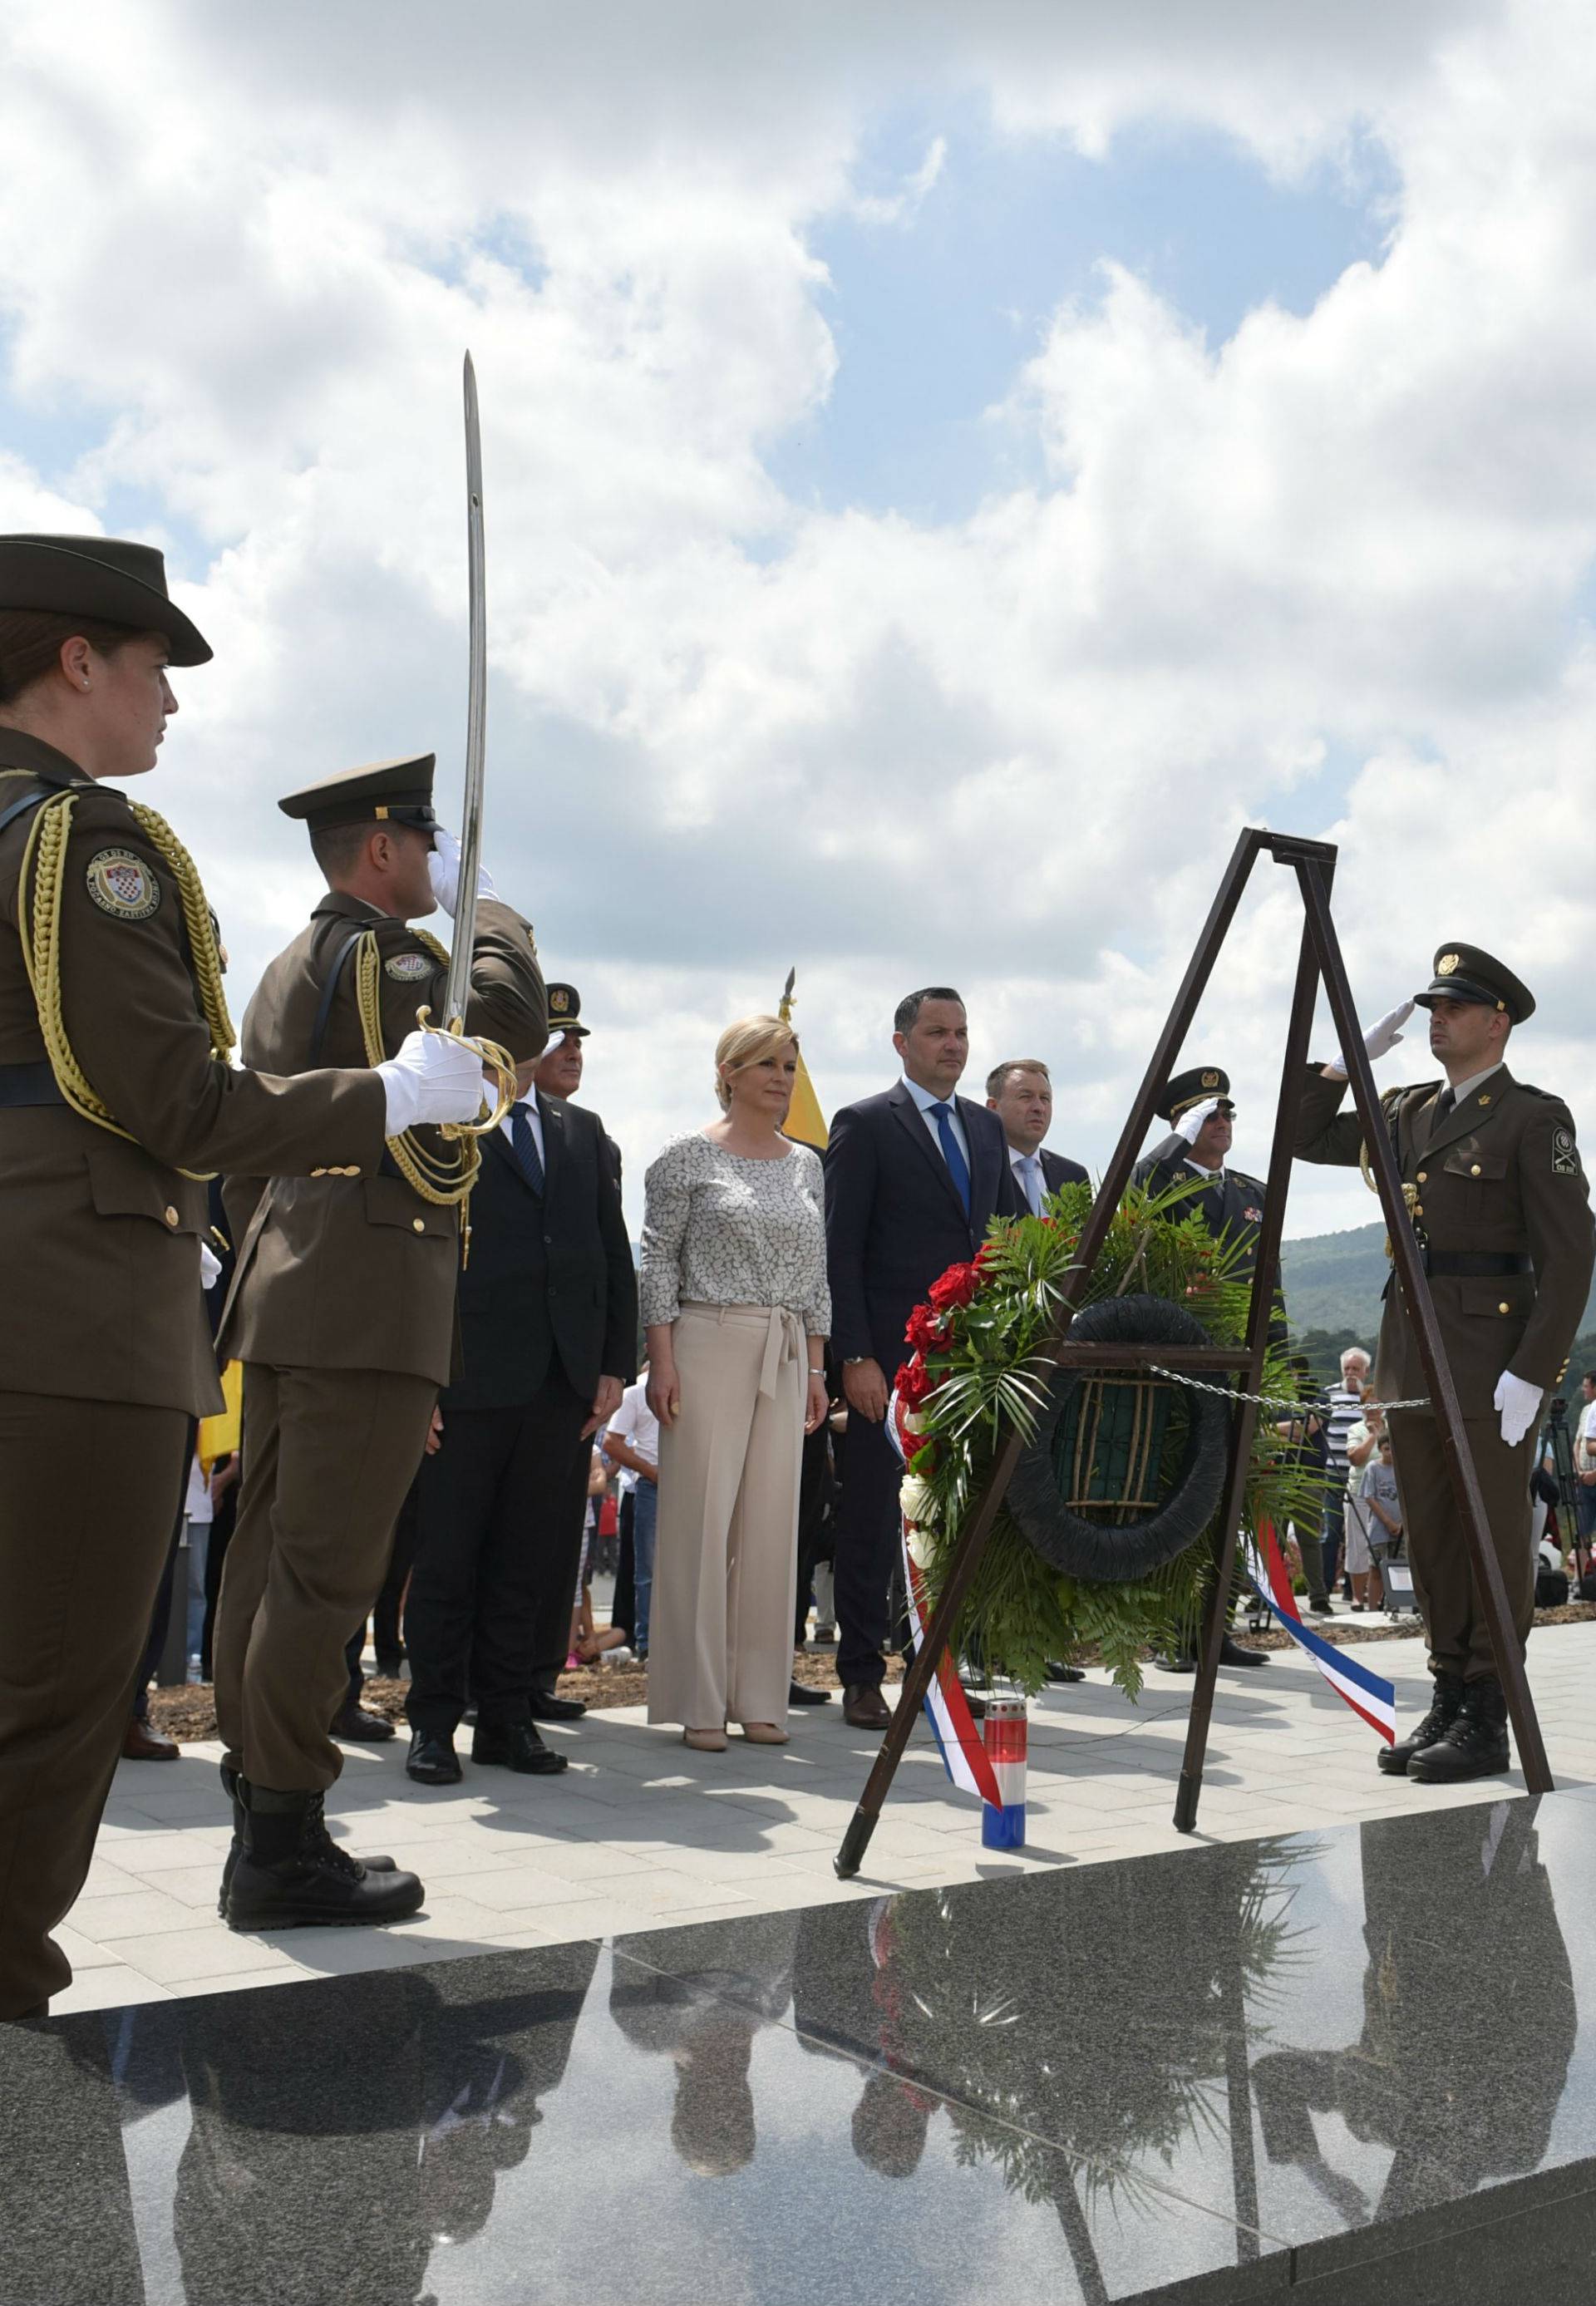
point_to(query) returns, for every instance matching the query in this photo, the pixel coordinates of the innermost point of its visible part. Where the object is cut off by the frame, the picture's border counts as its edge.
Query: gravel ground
(188, 1714)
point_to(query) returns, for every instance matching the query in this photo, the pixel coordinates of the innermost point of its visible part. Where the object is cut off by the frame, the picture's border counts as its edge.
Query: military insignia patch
(408, 966)
(123, 885)
(1448, 963)
(1210, 1081)
(1565, 1154)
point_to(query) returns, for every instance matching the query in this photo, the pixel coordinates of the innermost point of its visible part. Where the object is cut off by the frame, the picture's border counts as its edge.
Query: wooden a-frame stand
(1314, 864)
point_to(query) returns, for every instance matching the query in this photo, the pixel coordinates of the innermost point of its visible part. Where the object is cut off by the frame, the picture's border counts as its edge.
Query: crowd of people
(435, 1313)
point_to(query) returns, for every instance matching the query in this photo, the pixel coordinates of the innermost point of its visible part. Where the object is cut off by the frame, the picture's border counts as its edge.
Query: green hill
(1334, 1280)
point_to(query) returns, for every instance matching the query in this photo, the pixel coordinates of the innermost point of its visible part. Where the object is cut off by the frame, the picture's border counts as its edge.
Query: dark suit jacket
(1058, 1169)
(546, 1278)
(893, 1218)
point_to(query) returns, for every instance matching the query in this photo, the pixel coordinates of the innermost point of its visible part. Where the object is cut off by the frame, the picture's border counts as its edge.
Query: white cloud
(1326, 573)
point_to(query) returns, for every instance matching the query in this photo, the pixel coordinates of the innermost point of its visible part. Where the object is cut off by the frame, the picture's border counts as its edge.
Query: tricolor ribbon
(1374, 1700)
(947, 1709)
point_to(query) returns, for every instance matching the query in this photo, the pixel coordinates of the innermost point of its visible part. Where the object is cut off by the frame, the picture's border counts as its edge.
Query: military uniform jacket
(1501, 1175)
(1234, 1208)
(100, 1236)
(348, 1271)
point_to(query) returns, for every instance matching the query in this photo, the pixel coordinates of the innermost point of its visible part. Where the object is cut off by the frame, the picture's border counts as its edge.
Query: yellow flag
(220, 1435)
(805, 1121)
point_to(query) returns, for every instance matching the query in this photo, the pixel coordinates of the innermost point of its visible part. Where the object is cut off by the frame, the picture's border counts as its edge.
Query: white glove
(1379, 1037)
(443, 871)
(1518, 1401)
(434, 1077)
(210, 1267)
(1190, 1124)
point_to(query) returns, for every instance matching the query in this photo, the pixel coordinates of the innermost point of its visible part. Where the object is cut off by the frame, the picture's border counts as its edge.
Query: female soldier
(117, 1101)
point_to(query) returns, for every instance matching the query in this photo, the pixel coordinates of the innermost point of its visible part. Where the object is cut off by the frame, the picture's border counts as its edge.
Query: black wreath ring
(1111, 1555)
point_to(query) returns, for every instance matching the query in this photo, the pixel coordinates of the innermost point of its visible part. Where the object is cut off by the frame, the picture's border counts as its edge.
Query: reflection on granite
(1350, 2063)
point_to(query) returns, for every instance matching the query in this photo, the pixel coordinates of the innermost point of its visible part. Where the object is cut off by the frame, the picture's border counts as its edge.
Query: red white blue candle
(1002, 1825)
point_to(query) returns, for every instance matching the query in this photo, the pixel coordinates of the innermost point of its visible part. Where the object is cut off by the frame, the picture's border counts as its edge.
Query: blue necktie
(524, 1146)
(958, 1167)
(1030, 1177)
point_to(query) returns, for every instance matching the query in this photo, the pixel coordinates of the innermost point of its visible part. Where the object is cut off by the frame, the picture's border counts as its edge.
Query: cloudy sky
(947, 470)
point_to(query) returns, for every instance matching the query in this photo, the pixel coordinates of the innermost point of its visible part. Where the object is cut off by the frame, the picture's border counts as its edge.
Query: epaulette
(1395, 1099)
(1530, 1089)
(1242, 1178)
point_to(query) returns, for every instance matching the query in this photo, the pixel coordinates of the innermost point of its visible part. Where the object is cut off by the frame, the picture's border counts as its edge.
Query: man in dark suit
(549, 1329)
(1019, 1091)
(913, 1178)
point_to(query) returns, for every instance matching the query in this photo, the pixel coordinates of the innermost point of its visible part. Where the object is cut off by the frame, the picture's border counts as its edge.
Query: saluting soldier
(342, 1315)
(1199, 1107)
(116, 1102)
(1501, 1210)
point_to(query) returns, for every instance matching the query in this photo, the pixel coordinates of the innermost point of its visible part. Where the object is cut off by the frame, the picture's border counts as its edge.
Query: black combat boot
(1443, 1712)
(290, 1875)
(230, 1784)
(1475, 1745)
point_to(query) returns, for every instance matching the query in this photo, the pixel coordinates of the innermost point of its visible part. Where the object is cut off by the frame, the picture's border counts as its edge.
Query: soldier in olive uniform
(343, 1314)
(1502, 1212)
(117, 1101)
(1197, 1106)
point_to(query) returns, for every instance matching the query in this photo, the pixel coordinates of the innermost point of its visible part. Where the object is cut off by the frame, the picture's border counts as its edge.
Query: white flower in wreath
(919, 1545)
(915, 1498)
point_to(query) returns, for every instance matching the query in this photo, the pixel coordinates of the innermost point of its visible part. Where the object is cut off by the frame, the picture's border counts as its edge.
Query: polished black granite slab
(1357, 2064)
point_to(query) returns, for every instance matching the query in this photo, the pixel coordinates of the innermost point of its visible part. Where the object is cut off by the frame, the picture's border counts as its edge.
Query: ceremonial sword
(457, 989)
(457, 984)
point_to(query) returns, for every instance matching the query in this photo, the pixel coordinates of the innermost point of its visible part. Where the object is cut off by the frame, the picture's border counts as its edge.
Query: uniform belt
(32, 1084)
(1475, 1264)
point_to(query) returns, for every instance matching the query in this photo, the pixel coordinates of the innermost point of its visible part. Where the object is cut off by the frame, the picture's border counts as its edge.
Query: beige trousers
(720, 1644)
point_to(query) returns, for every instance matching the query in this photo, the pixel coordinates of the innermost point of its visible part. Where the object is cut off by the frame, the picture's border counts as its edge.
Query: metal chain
(1266, 1400)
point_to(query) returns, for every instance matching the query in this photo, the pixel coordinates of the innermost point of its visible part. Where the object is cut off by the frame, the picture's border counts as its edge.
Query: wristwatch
(853, 1361)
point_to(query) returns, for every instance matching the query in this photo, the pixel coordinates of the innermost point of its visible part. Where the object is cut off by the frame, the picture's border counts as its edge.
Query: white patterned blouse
(721, 1229)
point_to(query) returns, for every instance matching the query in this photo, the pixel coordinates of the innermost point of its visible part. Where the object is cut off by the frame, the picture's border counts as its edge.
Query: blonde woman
(736, 1306)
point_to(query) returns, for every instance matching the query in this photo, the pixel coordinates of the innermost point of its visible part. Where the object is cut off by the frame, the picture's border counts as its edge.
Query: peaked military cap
(1467, 972)
(400, 792)
(1190, 1089)
(565, 1011)
(102, 577)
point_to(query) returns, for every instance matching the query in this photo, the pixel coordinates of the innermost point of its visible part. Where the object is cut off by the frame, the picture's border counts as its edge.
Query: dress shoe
(1476, 1744)
(140, 1743)
(433, 1760)
(800, 1693)
(705, 1741)
(764, 1733)
(290, 1875)
(356, 1726)
(1444, 1709)
(1177, 1662)
(1230, 1652)
(1056, 1671)
(515, 1745)
(546, 1707)
(864, 1706)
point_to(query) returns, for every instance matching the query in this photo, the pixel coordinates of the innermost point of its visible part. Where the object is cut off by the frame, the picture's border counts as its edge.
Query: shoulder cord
(446, 1183)
(39, 927)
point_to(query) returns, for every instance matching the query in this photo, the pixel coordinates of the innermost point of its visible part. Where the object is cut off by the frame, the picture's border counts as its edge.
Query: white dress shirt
(1028, 1177)
(506, 1132)
(925, 1099)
